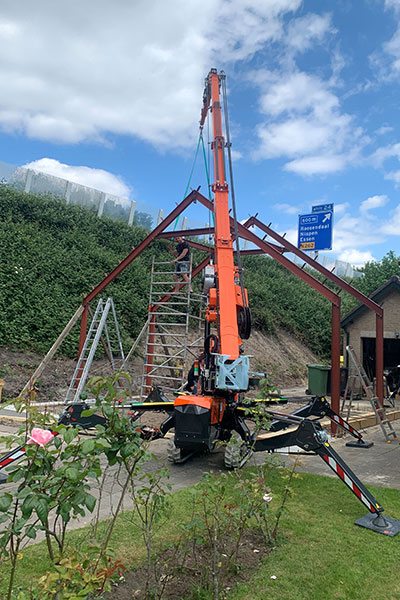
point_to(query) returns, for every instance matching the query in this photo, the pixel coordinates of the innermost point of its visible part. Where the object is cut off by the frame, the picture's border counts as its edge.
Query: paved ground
(379, 465)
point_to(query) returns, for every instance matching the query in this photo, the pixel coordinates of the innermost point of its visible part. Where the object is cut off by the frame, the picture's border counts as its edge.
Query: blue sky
(109, 95)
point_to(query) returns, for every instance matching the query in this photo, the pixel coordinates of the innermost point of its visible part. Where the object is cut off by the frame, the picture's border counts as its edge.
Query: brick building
(359, 328)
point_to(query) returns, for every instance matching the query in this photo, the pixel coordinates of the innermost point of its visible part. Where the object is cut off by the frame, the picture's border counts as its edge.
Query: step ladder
(379, 410)
(100, 325)
(168, 353)
(349, 395)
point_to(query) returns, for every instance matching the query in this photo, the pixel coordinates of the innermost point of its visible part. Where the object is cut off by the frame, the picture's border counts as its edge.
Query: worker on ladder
(182, 260)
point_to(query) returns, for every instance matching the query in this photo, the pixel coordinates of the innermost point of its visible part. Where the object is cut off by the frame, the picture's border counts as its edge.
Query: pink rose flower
(41, 437)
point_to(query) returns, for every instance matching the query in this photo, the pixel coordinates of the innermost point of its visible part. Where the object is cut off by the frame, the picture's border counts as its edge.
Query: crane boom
(227, 293)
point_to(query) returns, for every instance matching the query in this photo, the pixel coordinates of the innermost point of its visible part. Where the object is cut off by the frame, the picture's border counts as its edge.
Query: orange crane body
(227, 293)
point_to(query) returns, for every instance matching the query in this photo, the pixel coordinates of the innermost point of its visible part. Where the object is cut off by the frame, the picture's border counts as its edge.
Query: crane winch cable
(190, 176)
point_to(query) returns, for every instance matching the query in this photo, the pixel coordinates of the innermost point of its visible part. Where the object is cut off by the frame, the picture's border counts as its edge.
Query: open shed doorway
(391, 358)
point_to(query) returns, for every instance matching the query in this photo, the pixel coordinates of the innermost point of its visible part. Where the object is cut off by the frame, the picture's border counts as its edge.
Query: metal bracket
(232, 375)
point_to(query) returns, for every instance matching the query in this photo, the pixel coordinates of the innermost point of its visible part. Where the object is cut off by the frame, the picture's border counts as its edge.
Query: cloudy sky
(109, 94)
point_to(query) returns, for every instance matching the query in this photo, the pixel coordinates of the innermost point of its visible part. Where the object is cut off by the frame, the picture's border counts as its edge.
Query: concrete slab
(378, 465)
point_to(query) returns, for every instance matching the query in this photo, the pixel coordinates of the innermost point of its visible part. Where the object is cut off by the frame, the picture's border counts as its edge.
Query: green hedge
(53, 253)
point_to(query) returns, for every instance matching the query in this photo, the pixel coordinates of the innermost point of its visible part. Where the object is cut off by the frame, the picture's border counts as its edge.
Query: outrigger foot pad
(380, 524)
(359, 444)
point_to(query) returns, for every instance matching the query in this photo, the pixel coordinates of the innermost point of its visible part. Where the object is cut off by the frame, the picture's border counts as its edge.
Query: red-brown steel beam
(379, 358)
(347, 287)
(251, 252)
(274, 253)
(186, 232)
(335, 362)
(362, 298)
(193, 232)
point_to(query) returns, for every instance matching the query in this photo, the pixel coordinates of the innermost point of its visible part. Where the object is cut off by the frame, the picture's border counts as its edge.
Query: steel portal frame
(277, 253)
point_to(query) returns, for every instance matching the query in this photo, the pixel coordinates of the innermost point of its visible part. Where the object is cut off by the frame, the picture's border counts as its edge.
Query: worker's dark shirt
(180, 248)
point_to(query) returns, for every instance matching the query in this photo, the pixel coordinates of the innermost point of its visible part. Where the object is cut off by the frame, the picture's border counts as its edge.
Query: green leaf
(26, 491)
(103, 443)
(88, 446)
(42, 510)
(28, 505)
(90, 502)
(31, 532)
(5, 502)
(69, 435)
(87, 413)
(72, 473)
(108, 411)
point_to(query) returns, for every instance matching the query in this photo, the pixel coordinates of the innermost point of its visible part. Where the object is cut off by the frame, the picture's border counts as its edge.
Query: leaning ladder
(96, 329)
(379, 410)
(167, 345)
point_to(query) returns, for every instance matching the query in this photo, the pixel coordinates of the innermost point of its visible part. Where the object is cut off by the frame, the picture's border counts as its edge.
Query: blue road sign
(315, 231)
(322, 208)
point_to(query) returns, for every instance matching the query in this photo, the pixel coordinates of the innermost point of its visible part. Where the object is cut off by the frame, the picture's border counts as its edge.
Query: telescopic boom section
(229, 341)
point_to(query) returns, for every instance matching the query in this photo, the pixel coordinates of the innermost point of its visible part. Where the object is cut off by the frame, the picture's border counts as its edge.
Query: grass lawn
(321, 554)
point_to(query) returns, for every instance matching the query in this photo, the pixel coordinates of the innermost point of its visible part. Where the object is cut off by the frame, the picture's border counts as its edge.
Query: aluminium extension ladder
(379, 410)
(167, 348)
(98, 326)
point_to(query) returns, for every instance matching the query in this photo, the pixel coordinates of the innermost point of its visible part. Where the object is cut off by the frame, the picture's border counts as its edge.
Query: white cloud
(287, 208)
(354, 233)
(304, 31)
(94, 178)
(356, 257)
(77, 71)
(395, 4)
(291, 235)
(393, 176)
(383, 130)
(392, 226)
(373, 202)
(392, 47)
(304, 123)
(341, 208)
(386, 153)
(316, 165)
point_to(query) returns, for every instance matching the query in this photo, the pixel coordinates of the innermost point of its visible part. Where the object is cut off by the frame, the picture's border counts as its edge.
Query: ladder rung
(172, 324)
(153, 376)
(164, 273)
(167, 365)
(175, 312)
(169, 345)
(163, 355)
(168, 303)
(169, 334)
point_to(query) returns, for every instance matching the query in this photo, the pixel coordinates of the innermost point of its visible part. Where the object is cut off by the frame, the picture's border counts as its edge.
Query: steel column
(82, 337)
(335, 363)
(379, 358)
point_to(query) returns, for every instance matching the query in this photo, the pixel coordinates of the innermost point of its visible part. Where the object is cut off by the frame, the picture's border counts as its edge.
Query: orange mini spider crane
(215, 409)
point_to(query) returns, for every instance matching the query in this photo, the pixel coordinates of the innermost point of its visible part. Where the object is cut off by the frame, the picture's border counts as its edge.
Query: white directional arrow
(327, 217)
